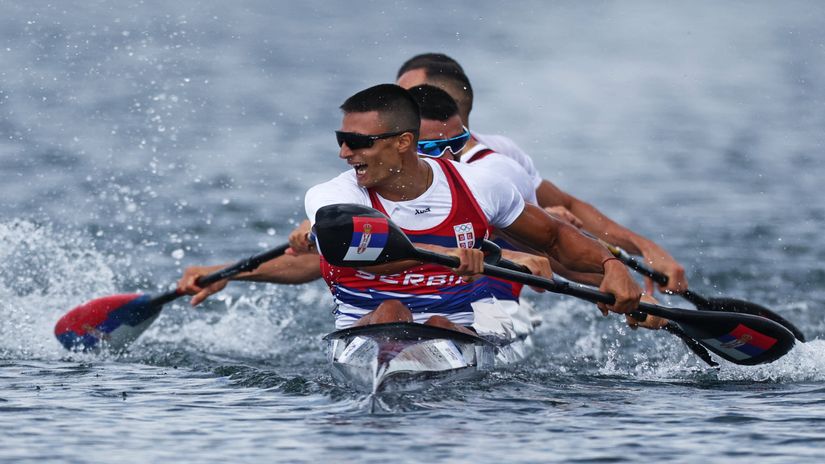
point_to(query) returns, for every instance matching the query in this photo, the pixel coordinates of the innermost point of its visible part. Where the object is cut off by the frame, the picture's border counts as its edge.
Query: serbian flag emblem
(742, 342)
(369, 237)
(464, 235)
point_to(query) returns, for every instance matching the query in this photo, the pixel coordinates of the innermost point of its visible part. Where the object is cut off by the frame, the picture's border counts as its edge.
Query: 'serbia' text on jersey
(412, 278)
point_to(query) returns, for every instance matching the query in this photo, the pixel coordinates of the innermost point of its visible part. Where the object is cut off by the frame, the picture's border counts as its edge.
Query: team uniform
(505, 167)
(507, 147)
(523, 316)
(457, 210)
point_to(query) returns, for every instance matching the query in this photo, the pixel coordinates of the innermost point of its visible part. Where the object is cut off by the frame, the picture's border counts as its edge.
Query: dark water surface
(139, 138)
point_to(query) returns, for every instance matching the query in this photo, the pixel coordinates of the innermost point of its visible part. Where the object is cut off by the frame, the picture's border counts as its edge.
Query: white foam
(804, 363)
(254, 324)
(44, 274)
(588, 342)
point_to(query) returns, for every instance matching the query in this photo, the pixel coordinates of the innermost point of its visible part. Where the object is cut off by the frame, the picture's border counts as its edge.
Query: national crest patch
(464, 235)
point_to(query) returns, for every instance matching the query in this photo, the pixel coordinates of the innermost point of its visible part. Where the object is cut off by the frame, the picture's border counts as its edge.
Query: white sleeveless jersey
(507, 147)
(499, 204)
(505, 168)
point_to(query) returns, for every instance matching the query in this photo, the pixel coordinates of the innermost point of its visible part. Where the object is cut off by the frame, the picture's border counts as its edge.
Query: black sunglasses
(356, 141)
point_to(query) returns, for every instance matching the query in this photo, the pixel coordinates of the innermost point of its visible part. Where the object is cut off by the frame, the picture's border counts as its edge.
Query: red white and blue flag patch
(464, 235)
(369, 237)
(742, 343)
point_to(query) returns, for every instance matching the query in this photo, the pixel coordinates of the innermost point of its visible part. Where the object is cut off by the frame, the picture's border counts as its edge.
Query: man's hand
(565, 215)
(472, 260)
(651, 322)
(538, 265)
(617, 281)
(676, 280)
(187, 285)
(299, 242)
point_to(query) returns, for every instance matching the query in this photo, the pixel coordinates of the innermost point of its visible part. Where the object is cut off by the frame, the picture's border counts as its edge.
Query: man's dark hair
(434, 103)
(424, 59)
(446, 73)
(396, 107)
(456, 83)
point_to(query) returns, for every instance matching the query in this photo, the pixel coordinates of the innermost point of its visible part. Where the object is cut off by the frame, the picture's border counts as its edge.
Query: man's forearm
(596, 222)
(286, 269)
(559, 240)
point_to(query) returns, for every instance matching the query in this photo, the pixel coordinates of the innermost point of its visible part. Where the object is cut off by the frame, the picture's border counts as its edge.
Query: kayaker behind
(442, 71)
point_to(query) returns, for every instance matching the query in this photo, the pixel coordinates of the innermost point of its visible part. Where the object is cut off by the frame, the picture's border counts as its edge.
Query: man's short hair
(455, 82)
(419, 61)
(446, 73)
(433, 102)
(396, 107)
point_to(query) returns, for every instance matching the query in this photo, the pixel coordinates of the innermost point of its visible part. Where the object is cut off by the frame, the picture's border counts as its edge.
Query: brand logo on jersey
(464, 235)
(369, 237)
(422, 211)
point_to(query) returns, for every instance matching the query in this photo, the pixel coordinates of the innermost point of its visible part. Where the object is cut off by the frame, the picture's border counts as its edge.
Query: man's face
(383, 159)
(412, 78)
(433, 129)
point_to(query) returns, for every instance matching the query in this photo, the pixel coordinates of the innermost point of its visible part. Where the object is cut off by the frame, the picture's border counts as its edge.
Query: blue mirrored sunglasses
(437, 148)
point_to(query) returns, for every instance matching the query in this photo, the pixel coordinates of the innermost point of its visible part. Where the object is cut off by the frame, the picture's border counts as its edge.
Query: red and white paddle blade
(112, 321)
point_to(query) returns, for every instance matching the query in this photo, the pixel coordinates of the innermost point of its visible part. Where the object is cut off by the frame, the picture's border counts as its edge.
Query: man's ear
(405, 140)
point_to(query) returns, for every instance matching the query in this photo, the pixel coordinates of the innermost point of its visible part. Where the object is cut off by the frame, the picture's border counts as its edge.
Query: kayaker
(441, 202)
(443, 135)
(442, 71)
(303, 267)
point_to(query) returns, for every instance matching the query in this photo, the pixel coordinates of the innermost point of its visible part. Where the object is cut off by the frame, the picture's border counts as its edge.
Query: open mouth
(360, 168)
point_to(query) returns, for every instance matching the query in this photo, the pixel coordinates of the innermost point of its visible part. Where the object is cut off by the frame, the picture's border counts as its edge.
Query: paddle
(117, 320)
(355, 235)
(702, 303)
(494, 257)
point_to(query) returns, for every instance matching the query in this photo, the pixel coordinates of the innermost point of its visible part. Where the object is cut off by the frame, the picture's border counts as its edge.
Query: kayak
(405, 356)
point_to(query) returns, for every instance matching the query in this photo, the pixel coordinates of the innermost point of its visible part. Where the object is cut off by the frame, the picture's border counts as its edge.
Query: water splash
(804, 363)
(44, 274)
(576, 339)
(251, 324)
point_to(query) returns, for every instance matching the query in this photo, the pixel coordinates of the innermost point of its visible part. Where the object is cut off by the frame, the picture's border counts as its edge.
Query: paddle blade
(354, 235)
(114, 321)
(734, 305)
(738, 338)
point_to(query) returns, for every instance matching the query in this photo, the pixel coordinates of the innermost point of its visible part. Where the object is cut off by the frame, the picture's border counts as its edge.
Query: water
(141, 138)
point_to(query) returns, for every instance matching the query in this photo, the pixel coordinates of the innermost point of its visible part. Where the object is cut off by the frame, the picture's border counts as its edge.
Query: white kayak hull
(407, 356)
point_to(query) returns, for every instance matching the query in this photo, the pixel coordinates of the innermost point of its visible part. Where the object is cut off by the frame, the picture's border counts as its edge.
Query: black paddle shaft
(579, 291)
(708, 304)
(657, 276)
(245, 265)
(697, 325)
(376, 240)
